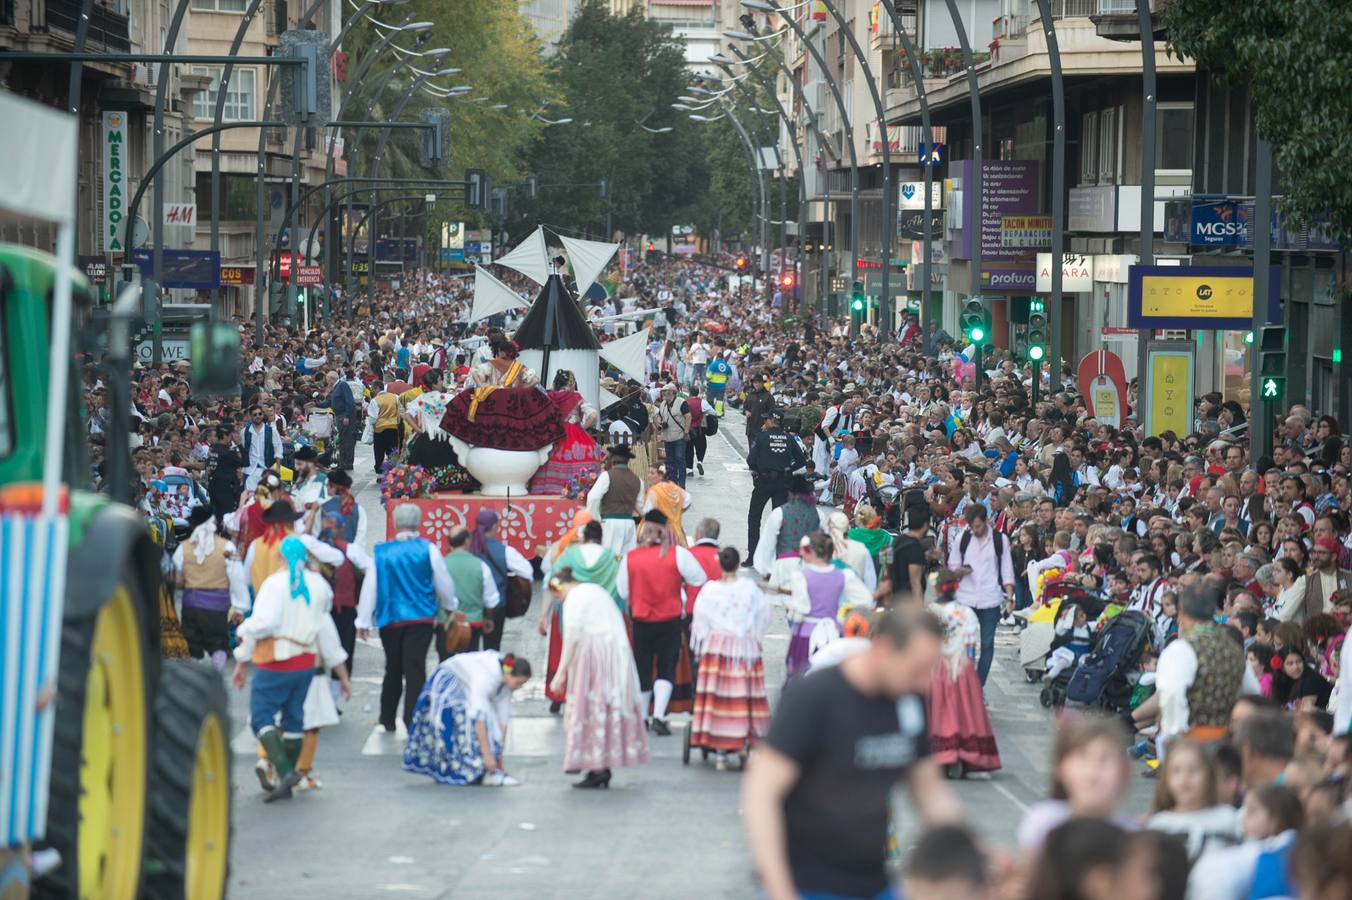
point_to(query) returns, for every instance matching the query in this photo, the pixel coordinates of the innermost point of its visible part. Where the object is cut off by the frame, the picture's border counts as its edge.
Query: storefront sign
(1169, 383)
(180, 214)
(114, 180)
(1005, 280)
(197, 270)
(911, 195)
(237, 275)
(1112, 268)
(1008, 188)
(911, 223)
(1219, 223)
(1110, 333)
(1077, 273)
(1025, 232)
(1204, 297)
(171, 350)
(1093, 208)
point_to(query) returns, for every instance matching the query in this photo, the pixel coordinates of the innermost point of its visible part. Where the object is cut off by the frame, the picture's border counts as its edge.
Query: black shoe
(661, 727)
(555, 706)
(748, 564)
(283, 789)
(596, 778)
(700, 466)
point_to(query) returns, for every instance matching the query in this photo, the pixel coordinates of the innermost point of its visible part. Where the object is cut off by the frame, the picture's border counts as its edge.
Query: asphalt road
(662, 830)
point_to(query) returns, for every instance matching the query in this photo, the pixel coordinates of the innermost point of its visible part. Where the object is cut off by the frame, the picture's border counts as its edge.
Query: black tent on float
(555, 335)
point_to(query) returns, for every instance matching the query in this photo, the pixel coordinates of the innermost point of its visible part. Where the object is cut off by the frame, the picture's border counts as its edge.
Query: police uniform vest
(1220, 666)
(404, 591)
(620, 499)
(799, 520)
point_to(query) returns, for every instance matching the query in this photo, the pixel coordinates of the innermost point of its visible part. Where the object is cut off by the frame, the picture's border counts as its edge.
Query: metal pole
(162, 76)
(74, 96)
(927, 134)
(755, 164)
(222, 86)
(754, 107)
(1148, 162)
(849, 135)
(974, 93)
(889, 198)
(1260, 412)
(1055, 338)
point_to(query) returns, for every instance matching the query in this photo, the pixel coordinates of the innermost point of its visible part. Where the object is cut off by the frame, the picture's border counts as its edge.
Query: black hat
(199, 514)
(306, 454)
(340, 477)
(656, 516)
(773, 412)
(800, 484)
(281, 512)
(619, 452)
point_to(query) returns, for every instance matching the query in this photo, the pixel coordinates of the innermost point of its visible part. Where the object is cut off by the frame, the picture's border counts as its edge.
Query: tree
(1292, 55)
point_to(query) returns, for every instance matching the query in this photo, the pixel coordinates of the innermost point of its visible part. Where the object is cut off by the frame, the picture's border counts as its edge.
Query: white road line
(379, 743)
(1008, 795)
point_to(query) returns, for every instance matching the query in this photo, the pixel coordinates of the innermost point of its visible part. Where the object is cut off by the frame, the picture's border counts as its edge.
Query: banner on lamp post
(114, 181)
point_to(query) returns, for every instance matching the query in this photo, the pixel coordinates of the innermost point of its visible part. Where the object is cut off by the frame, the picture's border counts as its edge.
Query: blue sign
(397, 250)
(1219, 223)
(196, 270)
(472, 248)
(928, 156)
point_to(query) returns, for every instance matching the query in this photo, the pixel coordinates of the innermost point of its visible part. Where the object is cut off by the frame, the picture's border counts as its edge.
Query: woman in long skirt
(580, 550)
(603, 721)
(730, 705)
(961, 738)
(459, 727)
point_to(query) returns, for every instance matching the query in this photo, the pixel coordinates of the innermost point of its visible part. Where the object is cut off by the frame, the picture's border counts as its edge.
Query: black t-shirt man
(851, 750)
(907, 551)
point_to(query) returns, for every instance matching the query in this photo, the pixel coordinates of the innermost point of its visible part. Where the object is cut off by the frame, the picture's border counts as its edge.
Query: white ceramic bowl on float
(500, 473)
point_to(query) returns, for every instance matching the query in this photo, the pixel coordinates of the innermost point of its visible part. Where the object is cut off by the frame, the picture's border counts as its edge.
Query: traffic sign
(308, 276)
(930, 156)
(1273, 387)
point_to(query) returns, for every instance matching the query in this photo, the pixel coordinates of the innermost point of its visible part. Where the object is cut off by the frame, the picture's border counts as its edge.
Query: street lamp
(698, 118)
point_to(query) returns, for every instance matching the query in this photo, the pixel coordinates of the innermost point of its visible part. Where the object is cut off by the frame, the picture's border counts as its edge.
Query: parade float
(504, 431)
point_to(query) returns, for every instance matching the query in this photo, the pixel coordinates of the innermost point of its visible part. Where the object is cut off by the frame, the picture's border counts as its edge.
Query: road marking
(1005, 792)
(379, 743)
(736, 467)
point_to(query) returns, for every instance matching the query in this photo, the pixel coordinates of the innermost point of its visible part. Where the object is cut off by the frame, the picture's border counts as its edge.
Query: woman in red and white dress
(961, 737)
(577, 453)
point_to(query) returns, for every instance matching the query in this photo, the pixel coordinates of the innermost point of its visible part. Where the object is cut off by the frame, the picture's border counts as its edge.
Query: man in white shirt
(262, 446)
(698, 357)
(1201, 673)
(982, 557)
(1146, 571)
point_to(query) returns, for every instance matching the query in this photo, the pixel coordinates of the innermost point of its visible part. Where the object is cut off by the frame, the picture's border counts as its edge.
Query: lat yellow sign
(1196, 296)
(1170, 392)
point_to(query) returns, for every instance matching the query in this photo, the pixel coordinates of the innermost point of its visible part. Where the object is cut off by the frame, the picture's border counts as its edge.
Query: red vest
(654, 584)
(707, 557)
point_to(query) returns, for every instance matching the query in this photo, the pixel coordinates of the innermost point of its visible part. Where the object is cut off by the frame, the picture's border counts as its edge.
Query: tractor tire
(188, 841)
(101, 750)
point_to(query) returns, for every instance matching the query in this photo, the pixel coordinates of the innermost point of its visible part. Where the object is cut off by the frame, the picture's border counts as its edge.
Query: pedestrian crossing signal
(1273, 387)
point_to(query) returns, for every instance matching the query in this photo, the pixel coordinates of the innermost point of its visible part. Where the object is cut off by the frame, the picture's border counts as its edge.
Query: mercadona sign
(114, 180)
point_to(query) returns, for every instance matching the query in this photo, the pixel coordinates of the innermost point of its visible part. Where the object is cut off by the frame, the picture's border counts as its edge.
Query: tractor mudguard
(116, 540)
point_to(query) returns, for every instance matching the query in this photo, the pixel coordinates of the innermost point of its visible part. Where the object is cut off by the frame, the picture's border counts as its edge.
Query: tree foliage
(1292, 55)
(613, 75)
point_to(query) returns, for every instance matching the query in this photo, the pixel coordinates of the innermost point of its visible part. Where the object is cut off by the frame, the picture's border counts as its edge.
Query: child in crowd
(946, 864)
(1090, 774)
(1188, 801)
(1074, 637)
(1166, 623)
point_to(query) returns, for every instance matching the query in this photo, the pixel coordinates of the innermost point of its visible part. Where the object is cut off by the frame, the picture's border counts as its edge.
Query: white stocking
(662, 693)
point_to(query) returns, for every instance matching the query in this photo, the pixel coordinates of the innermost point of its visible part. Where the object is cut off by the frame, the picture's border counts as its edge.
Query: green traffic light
(978, 335)
(1035, 352)
(1248, 337)
(857, 304)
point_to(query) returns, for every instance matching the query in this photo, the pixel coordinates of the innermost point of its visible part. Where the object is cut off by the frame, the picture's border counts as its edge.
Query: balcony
(1116, 20)
(107, 29)
(1074, 9)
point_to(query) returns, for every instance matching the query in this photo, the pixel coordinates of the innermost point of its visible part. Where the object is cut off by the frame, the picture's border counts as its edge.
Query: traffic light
(975, 322)
(300, 297)
(787, 281)
(858, 300)
(1272, 362)
(1037, 336)
(741, 263)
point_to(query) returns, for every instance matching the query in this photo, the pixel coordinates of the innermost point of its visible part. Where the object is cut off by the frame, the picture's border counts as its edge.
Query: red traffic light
(787, 280)
(741, 262)
(651, 247)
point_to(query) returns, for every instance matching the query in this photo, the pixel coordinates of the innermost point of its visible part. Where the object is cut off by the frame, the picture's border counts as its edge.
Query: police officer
(758, 401)
(774, 456)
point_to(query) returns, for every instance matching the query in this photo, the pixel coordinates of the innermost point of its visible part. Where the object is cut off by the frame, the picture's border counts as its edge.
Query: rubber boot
(275, 747)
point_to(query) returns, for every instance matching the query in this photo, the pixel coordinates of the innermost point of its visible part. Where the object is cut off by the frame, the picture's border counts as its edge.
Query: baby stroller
(1099, 678)
(1035, 641)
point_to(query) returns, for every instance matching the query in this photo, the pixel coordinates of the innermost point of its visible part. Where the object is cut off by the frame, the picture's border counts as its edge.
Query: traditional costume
(960, 728)
(776, 557)
(430, 446)
(202, 562)
(614, 500)
(588, 563)
(816, 595)
(603, 722)
(725, 634)
(465, 689)
(671, 500)
(576, 454)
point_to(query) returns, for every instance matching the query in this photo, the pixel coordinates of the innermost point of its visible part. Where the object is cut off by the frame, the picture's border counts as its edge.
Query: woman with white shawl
(850, 552)
(731, 615)
(603, 720)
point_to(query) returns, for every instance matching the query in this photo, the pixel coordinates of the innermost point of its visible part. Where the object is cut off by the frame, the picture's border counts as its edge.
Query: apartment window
(1107, 146)
(239, 95)
(1089, 157)
(224, 6)
(1173, 136)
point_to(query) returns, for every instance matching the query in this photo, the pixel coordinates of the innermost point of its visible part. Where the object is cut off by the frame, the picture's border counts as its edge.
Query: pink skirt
(600, 729)
(572, 457)
(730, 704)
(960, 728)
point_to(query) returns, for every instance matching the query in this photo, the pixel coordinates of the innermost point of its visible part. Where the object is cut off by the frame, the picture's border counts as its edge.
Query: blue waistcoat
(404, 587)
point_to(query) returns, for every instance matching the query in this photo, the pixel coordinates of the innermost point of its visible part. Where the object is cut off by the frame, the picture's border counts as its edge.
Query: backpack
(967, 540)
